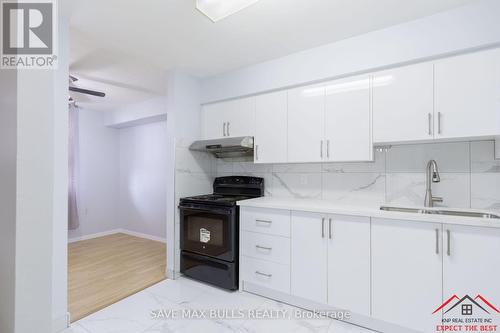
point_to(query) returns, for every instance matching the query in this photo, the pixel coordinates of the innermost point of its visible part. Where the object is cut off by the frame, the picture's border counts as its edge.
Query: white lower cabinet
(471, 265)
(349, 263)
(309, 256)
(395, 271)
(266, 221)
(265, 273)
(406, 272)
(265, 248)
(330, 260)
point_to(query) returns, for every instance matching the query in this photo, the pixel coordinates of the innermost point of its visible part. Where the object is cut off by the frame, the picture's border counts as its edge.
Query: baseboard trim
(96, 235)
(141, 235)
(117, 231)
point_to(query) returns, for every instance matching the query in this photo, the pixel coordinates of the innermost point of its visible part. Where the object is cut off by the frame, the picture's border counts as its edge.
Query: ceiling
(124, 47)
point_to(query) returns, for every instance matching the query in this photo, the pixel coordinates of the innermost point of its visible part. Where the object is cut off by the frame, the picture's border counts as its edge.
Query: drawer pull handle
(263, 248)
(264, 221)
(263, 274)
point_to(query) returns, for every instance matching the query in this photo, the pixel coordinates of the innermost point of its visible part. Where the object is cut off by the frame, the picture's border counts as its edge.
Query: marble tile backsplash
(470, 176)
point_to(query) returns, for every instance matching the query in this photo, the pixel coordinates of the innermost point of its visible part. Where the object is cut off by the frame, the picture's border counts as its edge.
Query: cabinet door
(471, 265)
(309, 256)
(306, 110)
(348, 120)
(271, 128)
(240, 117)
(403, 104)
(214, 119)
(349, 263)
(406, 273)
(467, 95)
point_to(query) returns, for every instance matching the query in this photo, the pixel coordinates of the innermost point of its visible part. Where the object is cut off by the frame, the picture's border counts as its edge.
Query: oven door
(209, 230)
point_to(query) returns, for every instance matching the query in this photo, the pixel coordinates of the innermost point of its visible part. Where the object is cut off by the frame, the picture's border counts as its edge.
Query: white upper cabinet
(470, 264)
(406, 273)
(241, 118)
(306, 111)
(229, 119)
(309, 256)
(214, 119)
(271, 128)
(467, 95)
(403, 104)
(348, 135)
(349, 263)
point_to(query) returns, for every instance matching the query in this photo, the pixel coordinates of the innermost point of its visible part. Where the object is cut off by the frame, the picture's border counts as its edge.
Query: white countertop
(369, 210)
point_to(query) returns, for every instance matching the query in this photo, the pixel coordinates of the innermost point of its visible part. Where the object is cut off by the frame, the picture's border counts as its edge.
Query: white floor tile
(134, 314)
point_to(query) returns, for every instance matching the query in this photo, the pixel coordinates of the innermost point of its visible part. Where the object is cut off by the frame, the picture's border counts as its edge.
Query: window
(467, 309)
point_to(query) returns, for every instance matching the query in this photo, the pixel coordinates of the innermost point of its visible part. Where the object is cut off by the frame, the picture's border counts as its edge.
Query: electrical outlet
(303, 180)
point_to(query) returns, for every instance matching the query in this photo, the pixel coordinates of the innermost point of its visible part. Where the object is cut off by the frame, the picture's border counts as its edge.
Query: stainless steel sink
(440, 212)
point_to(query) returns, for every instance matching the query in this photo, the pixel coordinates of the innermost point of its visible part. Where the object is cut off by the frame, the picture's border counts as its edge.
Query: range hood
(226, 147)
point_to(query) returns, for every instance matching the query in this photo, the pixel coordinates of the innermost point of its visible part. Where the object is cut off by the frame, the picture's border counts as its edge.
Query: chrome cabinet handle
(448, 245)
(439, 122)
(437, 241)
(323, 227)
(330, 228)
(256, 152)
(429, 118)
(264, 221)
(328, 149)
(224, 129)
(228, 134)
(263, 248)
(263, 274)
(321, 148)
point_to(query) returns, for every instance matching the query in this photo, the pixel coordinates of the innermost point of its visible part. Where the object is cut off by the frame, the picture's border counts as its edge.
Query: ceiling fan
(82, 90)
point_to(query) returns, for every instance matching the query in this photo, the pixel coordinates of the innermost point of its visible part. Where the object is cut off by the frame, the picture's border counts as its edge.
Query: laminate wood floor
(104, 270)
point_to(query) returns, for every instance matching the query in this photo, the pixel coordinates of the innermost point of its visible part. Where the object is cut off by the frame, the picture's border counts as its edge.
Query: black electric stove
(209, 234)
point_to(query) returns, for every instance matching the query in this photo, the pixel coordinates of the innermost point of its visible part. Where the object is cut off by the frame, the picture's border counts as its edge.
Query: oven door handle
(210, 210)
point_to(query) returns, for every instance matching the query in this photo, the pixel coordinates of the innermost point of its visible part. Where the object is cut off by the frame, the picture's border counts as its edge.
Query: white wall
(143, 177)
(41, 193)
(98, 170)
(147, 111)
(8, 150)
(190, 173)
(122, 174)
(469, 27)
(60, 172)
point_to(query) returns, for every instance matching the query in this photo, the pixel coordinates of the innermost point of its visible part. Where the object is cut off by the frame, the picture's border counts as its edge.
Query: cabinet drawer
(267, 247)
(267, 221)
(267, 274)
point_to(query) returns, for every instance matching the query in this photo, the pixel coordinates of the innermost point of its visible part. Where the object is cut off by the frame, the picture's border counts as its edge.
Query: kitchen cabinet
(229, 119)
(306, 111)
(214, 120)
(271, 128)
(265, 248)
(403, 107)
(348, 135)
(349, 263)
(467, 102)
(309, 256)
(470, 265)
(406, 272)
(330, 260)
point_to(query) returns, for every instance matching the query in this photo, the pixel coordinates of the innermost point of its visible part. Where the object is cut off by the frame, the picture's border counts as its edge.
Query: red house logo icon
(467, 305)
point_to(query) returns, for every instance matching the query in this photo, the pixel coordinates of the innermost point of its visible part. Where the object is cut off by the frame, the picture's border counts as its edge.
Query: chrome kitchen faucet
(432, 176)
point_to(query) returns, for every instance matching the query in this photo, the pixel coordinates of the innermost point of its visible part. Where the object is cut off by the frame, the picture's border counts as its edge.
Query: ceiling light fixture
(218, 9)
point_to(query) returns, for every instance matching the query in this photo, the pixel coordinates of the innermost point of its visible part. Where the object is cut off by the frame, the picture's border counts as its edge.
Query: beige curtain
(73, 219)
